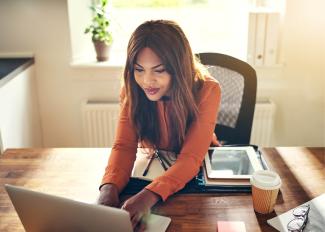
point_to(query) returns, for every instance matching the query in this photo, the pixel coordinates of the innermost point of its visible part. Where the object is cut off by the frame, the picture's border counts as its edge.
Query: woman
(167, 104)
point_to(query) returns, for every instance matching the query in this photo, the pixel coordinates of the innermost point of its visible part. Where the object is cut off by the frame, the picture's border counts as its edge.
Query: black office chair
(238, 96)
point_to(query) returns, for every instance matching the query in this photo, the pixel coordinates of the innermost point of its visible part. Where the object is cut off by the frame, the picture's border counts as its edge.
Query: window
(215, 26)
(210, 25)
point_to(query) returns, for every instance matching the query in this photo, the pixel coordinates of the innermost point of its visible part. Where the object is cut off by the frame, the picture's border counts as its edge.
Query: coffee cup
(265, 188)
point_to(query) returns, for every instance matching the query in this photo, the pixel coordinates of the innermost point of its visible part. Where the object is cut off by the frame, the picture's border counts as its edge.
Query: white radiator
(263, 123)
(99, 121)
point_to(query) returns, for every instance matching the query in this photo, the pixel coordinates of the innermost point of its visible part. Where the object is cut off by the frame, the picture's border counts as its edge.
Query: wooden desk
(76, 173)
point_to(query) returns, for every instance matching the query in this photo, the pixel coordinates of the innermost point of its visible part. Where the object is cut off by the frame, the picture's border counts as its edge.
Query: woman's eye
(160, 71)
(138, 70)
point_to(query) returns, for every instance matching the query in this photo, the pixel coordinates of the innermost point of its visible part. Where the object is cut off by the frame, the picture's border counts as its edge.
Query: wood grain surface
(76, 173)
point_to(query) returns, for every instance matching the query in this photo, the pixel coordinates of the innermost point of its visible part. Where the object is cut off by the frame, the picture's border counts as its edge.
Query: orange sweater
(197, 141)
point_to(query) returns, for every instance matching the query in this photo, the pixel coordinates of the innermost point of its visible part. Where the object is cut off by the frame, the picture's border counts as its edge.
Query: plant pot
(102, 50)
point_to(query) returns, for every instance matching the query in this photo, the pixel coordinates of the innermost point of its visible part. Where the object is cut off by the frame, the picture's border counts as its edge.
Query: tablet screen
(231, 162)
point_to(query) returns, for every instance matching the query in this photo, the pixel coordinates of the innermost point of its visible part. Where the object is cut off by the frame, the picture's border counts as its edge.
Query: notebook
(155, 169)
(43, 212)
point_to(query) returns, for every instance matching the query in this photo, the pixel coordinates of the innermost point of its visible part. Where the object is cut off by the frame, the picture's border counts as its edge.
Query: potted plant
(100, 30)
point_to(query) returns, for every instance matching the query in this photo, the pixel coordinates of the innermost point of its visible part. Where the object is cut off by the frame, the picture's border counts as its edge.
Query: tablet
(231, 162)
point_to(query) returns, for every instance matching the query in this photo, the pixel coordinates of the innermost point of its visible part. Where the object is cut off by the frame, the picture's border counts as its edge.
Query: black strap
(196, 185)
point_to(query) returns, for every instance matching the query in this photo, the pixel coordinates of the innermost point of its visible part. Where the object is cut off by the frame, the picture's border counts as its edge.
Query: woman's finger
(215, 141)
(141, 227)
(135, 219)
(131, 212)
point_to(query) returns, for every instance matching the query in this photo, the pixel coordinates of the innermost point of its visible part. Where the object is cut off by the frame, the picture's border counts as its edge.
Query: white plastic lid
(266, 179)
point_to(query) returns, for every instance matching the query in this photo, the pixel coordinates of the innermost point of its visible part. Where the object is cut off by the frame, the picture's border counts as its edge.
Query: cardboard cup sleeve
(265, 188)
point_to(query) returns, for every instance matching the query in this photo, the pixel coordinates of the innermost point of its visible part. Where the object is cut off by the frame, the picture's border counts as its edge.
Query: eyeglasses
(165, 158)
(299, 222)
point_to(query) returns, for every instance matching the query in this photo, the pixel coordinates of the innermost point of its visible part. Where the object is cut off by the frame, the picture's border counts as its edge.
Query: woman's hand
(215, 141)
(109, 195)
(139, 205)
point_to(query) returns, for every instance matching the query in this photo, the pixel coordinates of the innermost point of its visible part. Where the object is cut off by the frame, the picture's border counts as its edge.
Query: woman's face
(151, 75)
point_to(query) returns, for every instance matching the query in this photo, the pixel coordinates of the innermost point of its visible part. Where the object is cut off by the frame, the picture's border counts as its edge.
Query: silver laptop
(43, 212)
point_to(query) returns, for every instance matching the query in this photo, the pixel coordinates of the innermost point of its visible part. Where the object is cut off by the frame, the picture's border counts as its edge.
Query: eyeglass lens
(296, 224)
(299, 222)
(300, 211)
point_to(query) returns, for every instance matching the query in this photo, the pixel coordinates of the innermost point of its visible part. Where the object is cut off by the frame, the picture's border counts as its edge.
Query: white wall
(304, 51)
(42, 27)
(299, 88)
(19, 119)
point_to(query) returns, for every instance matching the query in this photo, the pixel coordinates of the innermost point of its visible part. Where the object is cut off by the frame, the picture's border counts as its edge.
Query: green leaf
(100, 22)
(87, 30)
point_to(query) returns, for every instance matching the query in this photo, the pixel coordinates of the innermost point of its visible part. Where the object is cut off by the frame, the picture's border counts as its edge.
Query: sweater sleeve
(195, 146)
(123, 153)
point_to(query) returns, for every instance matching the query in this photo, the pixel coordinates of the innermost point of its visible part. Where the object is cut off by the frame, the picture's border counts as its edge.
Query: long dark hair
(170, 44)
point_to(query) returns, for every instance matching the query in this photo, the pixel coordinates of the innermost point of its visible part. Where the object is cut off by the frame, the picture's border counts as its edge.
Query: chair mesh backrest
(232, 89)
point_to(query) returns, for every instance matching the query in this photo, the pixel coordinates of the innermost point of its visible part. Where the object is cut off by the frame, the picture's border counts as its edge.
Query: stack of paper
(224, 182)
(230, 166)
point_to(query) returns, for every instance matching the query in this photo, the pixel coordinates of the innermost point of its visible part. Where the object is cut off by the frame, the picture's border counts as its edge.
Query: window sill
(92, 70)
(91, 63)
